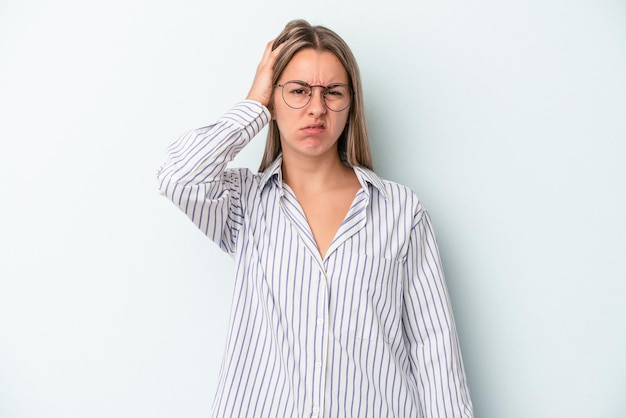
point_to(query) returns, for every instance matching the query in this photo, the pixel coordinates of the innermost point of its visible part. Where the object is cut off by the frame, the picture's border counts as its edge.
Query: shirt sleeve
(430, 331)
(195, 177)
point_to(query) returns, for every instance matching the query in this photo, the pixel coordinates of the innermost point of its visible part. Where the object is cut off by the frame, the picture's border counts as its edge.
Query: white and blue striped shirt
(367, 331)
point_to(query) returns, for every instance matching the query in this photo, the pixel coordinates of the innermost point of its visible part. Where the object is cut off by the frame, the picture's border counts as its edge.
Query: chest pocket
(366, 298)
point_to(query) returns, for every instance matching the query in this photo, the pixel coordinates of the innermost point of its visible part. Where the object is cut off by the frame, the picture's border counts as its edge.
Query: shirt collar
(273, 171)
(364, 175)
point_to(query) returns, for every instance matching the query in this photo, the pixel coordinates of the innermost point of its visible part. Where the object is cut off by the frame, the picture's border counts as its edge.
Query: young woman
(340, 308)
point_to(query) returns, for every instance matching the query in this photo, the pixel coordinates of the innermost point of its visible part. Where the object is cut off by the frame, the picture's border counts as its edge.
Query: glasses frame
(325, 90)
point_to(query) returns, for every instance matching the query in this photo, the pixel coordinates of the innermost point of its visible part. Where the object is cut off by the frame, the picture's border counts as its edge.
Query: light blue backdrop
(507, 118)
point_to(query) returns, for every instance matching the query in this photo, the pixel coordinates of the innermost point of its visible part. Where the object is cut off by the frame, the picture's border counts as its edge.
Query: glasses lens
(337, 97)
(296, 94)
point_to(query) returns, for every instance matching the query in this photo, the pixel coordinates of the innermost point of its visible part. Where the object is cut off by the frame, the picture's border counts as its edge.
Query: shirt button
(320, 321)
(316, 409)
(318, 364)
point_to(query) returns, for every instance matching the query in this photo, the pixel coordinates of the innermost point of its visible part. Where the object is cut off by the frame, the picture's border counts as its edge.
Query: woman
(340, 306)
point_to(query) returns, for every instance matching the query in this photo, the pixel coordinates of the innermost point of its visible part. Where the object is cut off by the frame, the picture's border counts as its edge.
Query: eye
(337, 91)
(298, 92)
(297, 89)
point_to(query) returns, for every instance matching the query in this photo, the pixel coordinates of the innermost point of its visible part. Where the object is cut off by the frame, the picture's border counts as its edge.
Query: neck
(314, 174)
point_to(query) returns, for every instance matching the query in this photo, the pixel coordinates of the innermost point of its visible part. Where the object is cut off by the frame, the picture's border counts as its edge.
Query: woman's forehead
(315, 66)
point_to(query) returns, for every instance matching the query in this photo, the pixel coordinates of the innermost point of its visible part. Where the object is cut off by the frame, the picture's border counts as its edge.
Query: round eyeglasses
(297, 94)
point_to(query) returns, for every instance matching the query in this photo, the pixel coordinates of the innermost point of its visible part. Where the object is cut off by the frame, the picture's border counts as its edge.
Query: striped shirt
(367, 331)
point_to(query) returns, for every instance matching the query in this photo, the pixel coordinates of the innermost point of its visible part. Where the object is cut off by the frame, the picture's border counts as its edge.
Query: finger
(268, 49)
(277, 50)
(270, 55)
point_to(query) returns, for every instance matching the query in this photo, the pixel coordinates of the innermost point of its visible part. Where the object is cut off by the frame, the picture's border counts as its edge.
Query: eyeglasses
(297, 94)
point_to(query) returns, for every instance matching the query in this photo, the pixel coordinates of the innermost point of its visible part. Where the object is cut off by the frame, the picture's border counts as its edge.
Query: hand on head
(262, 86)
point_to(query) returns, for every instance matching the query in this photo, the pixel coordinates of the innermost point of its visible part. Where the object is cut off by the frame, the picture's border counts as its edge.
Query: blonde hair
(353, 142)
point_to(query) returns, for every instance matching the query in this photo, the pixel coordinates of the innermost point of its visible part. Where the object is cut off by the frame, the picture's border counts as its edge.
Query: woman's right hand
(262, 86)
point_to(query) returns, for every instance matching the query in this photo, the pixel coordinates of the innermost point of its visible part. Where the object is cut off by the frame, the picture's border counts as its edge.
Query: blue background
(506, 117)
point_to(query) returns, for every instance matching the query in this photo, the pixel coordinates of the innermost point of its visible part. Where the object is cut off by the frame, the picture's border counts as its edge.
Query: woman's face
(313, 130)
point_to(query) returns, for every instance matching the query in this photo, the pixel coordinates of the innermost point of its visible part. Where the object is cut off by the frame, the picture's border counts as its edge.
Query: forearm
(201, 155)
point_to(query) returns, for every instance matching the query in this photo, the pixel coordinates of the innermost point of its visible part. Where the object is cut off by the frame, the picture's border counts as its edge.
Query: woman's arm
(429, 329)
(195, 177)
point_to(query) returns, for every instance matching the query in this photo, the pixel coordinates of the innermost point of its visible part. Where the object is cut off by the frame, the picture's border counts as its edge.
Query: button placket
(321, 346)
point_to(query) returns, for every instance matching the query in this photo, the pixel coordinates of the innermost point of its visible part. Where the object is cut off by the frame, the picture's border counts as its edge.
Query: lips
(315, 126)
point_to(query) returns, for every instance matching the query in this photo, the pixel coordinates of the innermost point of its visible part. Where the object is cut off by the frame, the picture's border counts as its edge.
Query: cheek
(286, 117)
(342, 121)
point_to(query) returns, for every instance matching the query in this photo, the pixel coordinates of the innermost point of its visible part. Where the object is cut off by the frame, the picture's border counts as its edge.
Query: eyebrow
(304, 83)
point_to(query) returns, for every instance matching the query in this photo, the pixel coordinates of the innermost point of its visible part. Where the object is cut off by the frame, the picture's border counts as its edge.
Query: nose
(317, 105)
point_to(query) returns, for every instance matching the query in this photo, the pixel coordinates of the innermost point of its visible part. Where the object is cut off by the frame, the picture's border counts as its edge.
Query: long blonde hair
(353, 142)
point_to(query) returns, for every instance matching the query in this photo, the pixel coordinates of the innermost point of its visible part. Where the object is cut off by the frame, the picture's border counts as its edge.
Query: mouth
(315, 126)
